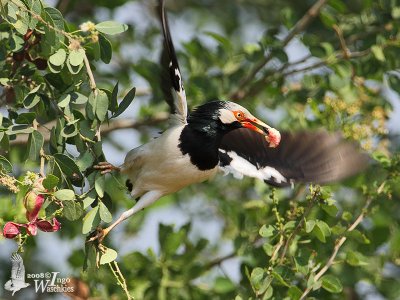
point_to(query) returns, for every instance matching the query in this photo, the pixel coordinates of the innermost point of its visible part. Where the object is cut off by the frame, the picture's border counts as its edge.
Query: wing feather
(17, 268)
(317, 157)
(170, 66)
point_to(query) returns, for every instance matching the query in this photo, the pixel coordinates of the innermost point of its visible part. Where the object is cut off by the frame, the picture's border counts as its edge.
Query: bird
(223, 135)
(17, 280)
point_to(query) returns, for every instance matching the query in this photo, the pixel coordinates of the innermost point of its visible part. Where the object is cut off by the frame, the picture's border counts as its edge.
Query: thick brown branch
(300, 26)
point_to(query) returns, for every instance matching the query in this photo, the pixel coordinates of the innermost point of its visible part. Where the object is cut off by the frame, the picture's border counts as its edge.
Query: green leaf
(111, 27)
(64, 100)
(56, 17)
(294, 293)
(69, 130)
(100, 184)
(310, 225)
(223, 285)
(354, 258)
(65, 194)
(347, 216)
(256, 276)
(35, 143)
(225, 42)
(25, 118)
(324, 227)
(101, 105)
(105, 214)
(331, 284)
(5, 165)
(50, 182)
(74, 69)
(108, 256)
(69, 168)
(125, 102)
(75, 57)
(289, 225)
(85, 160)
(90, 220)
(31, 100)
(89, 199)
(35, 7)
(58, 58)
(331, 210)
(394, 82)
(78, 98)
(17, 129)
(105, 49)
(114, 99)
(72, 210)
(319, 234)
(16, 42)
(377, 51)
(266, 231)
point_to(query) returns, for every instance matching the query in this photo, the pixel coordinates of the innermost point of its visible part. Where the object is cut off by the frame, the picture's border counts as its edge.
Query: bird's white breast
(160, 165)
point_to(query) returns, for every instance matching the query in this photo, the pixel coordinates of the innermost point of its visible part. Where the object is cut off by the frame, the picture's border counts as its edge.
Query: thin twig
(278, 246)
(219, 260)
(300, 26)
(297, 229)
(337, 247)
(339, 33)
(120, 278)
(270, 77)
(90, 74)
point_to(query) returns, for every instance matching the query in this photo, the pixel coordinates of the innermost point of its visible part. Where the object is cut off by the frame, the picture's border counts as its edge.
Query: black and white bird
(222, 135)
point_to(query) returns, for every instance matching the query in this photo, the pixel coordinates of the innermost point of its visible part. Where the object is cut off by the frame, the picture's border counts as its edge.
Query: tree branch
(338, 245)
(260, 84)
(300, 26)
(22, 139)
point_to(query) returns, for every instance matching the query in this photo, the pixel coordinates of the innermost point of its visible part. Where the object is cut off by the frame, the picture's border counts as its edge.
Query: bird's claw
(97, 236)
(105, 167)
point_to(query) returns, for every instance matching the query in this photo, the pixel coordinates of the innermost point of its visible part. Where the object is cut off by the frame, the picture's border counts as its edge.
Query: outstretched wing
(318, 157)
(17, 268)
(170, 66)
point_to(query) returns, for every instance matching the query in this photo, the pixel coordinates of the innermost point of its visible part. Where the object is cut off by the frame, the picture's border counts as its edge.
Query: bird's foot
(105, 167)
(97, 236)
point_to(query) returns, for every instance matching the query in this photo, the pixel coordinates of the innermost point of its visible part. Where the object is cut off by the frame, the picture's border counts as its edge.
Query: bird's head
(232, 116)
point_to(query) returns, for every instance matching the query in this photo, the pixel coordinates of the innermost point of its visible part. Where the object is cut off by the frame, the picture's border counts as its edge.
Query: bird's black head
(217, 118)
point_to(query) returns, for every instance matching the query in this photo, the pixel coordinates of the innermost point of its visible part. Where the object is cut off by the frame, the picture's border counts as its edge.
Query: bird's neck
(201, 142)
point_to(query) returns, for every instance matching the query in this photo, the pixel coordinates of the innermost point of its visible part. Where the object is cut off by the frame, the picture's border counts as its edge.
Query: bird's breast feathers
(160, 165)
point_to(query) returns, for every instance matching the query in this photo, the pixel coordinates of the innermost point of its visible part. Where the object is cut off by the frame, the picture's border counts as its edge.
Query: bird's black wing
(171, 74)
(317, 157)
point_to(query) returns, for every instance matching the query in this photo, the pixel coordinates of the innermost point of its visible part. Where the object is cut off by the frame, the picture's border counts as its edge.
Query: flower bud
(11, 230)
(33, 203)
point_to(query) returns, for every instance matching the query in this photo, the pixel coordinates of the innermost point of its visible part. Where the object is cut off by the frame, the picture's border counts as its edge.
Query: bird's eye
(239, 115)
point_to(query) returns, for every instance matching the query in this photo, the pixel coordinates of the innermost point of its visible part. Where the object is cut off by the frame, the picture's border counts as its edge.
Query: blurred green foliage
(331, 69)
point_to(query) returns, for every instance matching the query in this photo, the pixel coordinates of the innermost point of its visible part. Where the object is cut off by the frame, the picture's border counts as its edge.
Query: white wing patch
(180, 102)
(240, 166)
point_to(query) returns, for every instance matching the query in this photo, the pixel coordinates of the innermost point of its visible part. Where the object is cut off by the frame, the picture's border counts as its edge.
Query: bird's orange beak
(272, 135)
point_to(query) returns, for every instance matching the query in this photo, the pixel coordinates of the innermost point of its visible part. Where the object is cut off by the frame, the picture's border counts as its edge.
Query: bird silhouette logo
(17, 280)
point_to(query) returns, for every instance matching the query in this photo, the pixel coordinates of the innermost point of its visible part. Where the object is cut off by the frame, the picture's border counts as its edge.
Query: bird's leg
(105, 167)
(143, 202)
